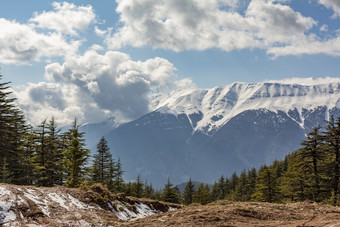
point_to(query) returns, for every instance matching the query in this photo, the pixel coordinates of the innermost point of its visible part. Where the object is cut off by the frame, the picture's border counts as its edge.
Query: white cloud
(332, 4)
(66, 18)
(45, 35)
(178, 25)
(20, 44)
(93, 87)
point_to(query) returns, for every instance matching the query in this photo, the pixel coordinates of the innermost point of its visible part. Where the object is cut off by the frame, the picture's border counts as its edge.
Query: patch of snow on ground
(77, 203)
(6, 215)
(6, 202)
(42, 204)
(172, 208)
(56, 198)
(144, 210)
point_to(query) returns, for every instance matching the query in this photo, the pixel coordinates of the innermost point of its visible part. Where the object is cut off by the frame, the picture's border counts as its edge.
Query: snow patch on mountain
(218, 105)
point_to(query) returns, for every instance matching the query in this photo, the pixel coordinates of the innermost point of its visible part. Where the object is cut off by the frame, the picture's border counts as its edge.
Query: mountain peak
(218, 105)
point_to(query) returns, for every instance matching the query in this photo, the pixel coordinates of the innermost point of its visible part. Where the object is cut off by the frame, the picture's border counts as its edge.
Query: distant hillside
(204, 133)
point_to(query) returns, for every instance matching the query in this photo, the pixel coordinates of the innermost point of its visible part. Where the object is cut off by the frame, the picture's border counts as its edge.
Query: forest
(45, 156)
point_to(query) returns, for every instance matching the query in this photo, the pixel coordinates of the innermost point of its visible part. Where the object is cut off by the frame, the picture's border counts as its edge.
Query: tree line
(309, 173)
(44, 156)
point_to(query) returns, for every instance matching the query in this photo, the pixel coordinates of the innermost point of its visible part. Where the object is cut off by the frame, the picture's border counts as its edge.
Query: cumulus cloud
(20, 43)
(332, 4)
(66, 18)
(180, 25)
(23, 43)
(93, 87)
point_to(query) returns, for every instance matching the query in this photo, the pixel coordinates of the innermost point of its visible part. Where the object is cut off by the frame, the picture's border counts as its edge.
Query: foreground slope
(225, 213)
(203, 133)
(60, 206)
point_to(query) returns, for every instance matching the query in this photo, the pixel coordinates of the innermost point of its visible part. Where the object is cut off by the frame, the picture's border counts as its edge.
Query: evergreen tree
(202, 195)
(332, 138)
(102, 163)
(310, 157)
(148, 191)
(233, 181)
(214, 192)
(112, 174)
(170, 193)
(54, 158)
(293, 183)
(137, 188)
(221, 189)
(28, 158)
(188, 192)
(251, 182)
(267, 189)
(75, 156)
(41, 153)
(12, 131)
(118, 181)
(241, 190)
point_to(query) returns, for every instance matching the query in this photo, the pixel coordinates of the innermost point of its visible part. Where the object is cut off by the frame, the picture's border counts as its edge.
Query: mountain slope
(203, 133)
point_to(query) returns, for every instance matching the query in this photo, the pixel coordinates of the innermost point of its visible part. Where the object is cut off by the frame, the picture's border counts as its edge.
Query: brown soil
(225, 213)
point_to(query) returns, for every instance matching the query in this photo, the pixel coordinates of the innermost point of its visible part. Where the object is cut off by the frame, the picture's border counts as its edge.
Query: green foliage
(12, 132)
(266, 188)
(75, 157)
(201, 195)
(102, 163)
(170, 193)
(188, 192)
(137, 188)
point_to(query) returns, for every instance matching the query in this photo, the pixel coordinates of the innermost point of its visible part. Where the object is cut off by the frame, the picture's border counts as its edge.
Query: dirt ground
(225, 213)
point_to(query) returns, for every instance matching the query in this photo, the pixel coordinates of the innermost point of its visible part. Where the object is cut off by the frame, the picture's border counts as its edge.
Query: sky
(106, 59)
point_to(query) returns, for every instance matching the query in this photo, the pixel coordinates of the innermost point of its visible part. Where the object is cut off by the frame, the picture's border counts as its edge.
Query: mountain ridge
(203, 133)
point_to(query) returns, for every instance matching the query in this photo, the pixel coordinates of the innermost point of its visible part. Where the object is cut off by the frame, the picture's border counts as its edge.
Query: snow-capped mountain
(203, 133)
(218, 105)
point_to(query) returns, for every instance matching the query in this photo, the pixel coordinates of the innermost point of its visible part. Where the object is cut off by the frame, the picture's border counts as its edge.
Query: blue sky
(99, 59)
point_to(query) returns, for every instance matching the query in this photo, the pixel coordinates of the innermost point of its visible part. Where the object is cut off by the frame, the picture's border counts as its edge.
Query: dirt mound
(60, 206)
(224, 213)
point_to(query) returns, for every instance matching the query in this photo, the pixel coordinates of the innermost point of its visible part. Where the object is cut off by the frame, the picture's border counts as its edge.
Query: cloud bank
(94, 87)
(46, 35)
(179, 25)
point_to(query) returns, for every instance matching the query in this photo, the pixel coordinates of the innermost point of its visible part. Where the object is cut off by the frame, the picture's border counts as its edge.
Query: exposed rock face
(60, 206)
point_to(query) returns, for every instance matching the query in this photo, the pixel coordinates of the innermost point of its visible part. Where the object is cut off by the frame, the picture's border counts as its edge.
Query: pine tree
(137, 188)
(75, 156)
(214, 192)
(293, 183)
(202, 195)
(28, 158)
(170, 193)
(241, 190)
(41, 153)
(112, 174)
(188, 192)
(118, 181)
(54, 158)
(332, 139)
(12, 131)
(101, 167)
(267, 188)
(221, 189)
(251, 182)
(311, 159)
(148, 191)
